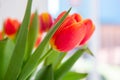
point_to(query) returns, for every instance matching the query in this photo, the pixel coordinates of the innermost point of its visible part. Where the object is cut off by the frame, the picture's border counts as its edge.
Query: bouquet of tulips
(37, 46)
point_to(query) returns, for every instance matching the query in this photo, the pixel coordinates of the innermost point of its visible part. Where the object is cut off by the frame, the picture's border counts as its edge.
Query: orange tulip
(11, 27)
(46, 21)
(72, 32)
(1, 36)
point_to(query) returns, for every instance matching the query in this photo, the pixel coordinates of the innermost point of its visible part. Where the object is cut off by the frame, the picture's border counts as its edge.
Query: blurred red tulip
(11, 27)
(72, 32)
(1, 36)
(46, 21)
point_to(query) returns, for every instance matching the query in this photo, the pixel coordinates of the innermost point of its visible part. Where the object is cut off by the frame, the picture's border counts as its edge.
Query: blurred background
(105, 43)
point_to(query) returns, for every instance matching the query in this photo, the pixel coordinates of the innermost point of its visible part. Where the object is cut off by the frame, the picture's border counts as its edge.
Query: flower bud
(11, 27)
(46, 21)
(72, 32)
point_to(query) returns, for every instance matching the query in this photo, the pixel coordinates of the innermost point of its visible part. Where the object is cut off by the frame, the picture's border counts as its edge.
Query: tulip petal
(68, 21)
(76, 17)
(89, 30)
(60, 15)
(69, 37)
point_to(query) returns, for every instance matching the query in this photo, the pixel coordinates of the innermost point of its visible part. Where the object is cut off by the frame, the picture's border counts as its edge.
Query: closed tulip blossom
(11, 27)
(46, 21)
(72, 32)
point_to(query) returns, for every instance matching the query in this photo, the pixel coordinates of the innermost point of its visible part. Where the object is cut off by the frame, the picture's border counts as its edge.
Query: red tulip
(46, 21)
(1, 36)
(71, 33)
(11, 27)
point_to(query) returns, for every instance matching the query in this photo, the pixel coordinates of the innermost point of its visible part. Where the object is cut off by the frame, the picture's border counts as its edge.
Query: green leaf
(55, 59)
(32, 35)
(46, 73)
(66, 66)
(2, 45)
(18, 54)
(58, 61)
(51, 58)
(34, 59)
(89, 51)
(6, 49)
(49, 52)
(2, 48)
(74, 76)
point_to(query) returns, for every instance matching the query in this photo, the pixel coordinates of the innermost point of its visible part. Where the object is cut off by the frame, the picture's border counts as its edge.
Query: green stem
(46, 55)
(42, 58)
(58, 61)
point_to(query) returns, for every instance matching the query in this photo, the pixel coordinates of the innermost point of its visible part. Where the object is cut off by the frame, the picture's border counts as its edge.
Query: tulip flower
(0, 35)
(46, 21)
(72, 32)
(11, 27)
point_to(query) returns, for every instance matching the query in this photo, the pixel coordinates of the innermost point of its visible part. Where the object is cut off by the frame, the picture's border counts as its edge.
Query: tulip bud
(71, 33)
(46, 21)
(11, 27)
